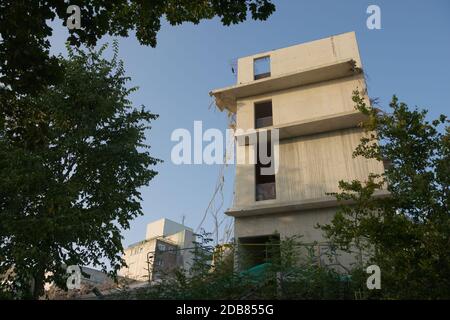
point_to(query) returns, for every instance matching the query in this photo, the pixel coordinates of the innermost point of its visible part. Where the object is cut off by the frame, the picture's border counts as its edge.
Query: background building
(304, 91)
(167, 245)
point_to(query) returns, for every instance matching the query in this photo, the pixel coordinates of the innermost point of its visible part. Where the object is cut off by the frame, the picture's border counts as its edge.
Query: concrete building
(167, 245)
(304, 91)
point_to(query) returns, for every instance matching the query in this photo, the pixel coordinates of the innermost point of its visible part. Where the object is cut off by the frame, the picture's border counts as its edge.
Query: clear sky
(409, 56)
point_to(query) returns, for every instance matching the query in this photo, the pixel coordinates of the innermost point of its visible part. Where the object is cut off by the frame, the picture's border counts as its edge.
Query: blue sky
(409, 56)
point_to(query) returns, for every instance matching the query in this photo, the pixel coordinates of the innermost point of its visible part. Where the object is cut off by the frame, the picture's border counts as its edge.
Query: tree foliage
(406, 234)
(72, 160)
(301, 278)
(72, 152)
(25, 62)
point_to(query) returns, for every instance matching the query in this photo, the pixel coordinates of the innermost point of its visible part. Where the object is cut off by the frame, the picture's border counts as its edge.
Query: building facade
(305, 92)
(167, 245)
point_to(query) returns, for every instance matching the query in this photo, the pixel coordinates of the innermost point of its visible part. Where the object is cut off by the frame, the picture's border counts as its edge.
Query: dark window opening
(258, 250)
(261, 68)
(265, 186)
(263, 114)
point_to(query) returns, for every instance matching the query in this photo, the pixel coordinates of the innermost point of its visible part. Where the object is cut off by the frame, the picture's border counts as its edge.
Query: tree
(72, 160)
(25, 62)
(283, 276)
(408, 233)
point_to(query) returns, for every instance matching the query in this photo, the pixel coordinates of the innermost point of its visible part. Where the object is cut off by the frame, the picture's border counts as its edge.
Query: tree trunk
(37, 288)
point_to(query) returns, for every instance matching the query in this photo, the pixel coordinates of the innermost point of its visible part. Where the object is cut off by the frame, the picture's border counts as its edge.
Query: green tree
(25, 62)
(406, 234)
(284, 277)
(72, 160)
(71, 145)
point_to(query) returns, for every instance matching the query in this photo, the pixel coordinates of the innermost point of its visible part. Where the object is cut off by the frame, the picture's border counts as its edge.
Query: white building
(167, 245)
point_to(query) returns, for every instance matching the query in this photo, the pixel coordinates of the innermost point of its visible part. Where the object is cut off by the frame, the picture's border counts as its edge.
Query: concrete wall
(302, 103)
(185, 241)
(163, 227)
(136, 259)
(286, 224)
(303, 56)
(309, 167)
(174, 236)
(289, 224)
(166, 254)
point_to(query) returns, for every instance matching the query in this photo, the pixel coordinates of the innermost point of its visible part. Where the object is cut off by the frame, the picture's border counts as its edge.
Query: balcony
(226, 98)
(338, 121)
(276, 207)
(343, 120)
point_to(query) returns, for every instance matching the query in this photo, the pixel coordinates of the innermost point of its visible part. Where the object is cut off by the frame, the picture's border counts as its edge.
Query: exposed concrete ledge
(291, 206)
(226, 97)
(343, 120)
(337, 121)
